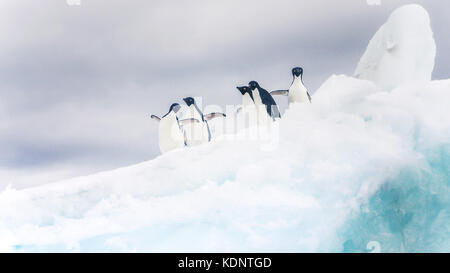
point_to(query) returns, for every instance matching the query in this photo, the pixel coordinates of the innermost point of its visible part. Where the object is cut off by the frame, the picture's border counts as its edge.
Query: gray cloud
(77, 83)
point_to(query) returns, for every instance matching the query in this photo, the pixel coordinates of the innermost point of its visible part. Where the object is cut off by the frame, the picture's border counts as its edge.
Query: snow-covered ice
(361, 166)
(358, 165)
(402, 51)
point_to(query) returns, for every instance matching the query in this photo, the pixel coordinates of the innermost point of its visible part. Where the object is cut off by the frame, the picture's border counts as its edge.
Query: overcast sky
(77, 83)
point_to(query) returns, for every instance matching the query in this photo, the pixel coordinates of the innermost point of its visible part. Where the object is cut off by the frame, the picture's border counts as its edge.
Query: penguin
(170, 134)
(247, 96)
(297, 92)
(264, 99)
(197, 132)
(248, 110)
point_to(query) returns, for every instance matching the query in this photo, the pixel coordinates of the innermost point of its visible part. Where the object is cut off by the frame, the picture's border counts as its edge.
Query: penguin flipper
(309, 96)
(188, 121)
(158, 119)
(279, 93)
(214, 115)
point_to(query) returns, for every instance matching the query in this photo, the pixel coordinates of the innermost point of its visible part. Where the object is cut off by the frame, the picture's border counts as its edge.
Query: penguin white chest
(261, 109)
(170, 135)
(194, 113)
(248, 114)
(298, 92)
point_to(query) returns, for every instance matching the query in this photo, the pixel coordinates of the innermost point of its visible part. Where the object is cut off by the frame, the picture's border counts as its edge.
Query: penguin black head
(297, 71)
(243, 89)
(189, 101)
(253, 85)
(175, 108)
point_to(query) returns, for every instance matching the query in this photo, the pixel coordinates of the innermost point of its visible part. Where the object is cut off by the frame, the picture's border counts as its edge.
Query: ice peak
(401, 51)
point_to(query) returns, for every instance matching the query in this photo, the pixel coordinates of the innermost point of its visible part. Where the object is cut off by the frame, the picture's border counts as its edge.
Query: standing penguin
(297, 91)
(170, 133)
(197, 132)
(248, 110)
(263, 98)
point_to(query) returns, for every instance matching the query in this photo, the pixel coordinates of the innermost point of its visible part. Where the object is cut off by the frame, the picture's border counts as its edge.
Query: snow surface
(360, 169)
(402, 51)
